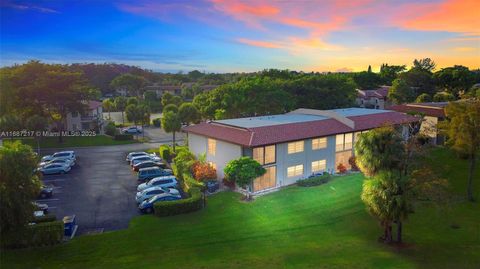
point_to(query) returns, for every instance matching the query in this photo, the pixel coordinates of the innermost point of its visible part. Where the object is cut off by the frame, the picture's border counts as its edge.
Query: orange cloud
(258, 43)
(466, 49)
(451, 15)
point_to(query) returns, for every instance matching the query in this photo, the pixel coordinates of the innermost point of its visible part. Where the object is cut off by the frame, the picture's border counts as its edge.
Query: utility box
(69, 223)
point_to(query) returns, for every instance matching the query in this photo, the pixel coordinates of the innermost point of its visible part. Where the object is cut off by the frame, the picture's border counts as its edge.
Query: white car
(149, 157)
(70, 154)
(64, 161)
(165, 181)
(54, 168)
(132, 155)
(133, 130)
(150, 192)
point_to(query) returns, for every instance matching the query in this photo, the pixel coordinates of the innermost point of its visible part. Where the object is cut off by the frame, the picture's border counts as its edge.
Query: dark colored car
(146, 164)
(45, 192)
(147, 205)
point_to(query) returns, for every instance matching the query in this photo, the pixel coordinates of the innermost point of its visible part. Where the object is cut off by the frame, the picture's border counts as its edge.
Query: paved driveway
(99, 190)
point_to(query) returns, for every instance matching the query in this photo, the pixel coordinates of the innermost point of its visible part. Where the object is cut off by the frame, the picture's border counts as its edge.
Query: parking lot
(99, 189)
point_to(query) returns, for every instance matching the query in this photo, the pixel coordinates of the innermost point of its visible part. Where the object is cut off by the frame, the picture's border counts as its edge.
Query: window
(296, 170)
(318, 166)
(270, 156)
(264, 155)
(339, 142)
(348, 141)
(212, 146)
(259, 154)
(295, 147)
(268, 180)
(319, 143)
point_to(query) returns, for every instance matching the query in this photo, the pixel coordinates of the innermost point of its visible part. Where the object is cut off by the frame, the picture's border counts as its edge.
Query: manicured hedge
(314, 181)
(166, 153)
(123, 137)
(170, 208)
(42, 234)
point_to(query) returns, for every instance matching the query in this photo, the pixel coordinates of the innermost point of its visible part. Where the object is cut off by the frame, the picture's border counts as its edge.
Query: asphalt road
(99, 189)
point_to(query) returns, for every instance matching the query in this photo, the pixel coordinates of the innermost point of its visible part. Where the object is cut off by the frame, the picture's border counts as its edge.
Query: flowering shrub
(203, 171)
(341, 168)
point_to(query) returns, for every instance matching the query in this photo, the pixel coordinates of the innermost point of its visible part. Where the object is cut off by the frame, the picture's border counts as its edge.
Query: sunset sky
(228, 36)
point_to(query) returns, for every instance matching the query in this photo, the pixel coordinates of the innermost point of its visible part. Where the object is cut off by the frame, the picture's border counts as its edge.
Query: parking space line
(48, 200)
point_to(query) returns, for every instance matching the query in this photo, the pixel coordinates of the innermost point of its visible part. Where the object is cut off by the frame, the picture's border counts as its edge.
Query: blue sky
(226, 36)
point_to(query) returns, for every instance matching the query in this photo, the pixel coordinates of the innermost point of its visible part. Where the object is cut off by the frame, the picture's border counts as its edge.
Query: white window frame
(319, 143)
(295, 147)
(295, 170)
(319, 166)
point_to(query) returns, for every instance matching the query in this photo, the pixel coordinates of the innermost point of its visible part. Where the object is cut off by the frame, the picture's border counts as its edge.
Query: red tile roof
(429, 110)
(274, 134)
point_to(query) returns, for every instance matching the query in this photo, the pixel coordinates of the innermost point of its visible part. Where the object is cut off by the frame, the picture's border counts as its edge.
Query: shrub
(203, 171)
(119, 125)
(42, 234)
(170, 208)
(229, 183)
(166, 153)
(123, 137)
(341, 168)
(314, 181)
(353, 163)
(110, 129)
(157, 122)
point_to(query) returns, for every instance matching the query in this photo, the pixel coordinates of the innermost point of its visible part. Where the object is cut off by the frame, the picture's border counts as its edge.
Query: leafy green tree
(188, 113)
(170, 107)
(10, 123)
(462, 129)
(379, 149)
(425, 64)
(243, 172)
(37, 123)
(420, 80)
(54, 89)
(367, 80)
(133, 83)
(132, 101)
(423, 98)
(455, 80)
(108, 105)
(18, 187)
(171, 124)
(388, 73)
(120, 105)
(443, 97)
(167, 98)
(177, 100)
(150, 98)
(400, 92)
(134, 113)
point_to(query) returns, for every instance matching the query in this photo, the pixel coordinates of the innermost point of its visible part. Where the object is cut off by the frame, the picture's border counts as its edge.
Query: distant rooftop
(270, 120)
(356, 111)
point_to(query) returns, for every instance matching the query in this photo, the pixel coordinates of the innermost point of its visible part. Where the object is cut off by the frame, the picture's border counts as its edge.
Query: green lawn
(318, 227)
(73, 141)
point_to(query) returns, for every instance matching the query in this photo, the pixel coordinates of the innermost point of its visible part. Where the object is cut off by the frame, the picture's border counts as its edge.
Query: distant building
(432, 112)
(375, 99)
(290, 146)
(91, 119)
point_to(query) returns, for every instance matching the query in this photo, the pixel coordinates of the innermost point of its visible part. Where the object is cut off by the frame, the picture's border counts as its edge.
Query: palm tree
(108, 105)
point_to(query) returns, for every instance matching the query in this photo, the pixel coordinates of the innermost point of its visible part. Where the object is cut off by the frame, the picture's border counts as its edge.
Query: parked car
(133, 130)
(45, 192)
(150, 192)
(146, 164)
(40, 207)
(165, 181)
(148, 173)
(149, 157)
(70, 154)
(147, 205)
(132, 155)
(64, 161)
(54, 168)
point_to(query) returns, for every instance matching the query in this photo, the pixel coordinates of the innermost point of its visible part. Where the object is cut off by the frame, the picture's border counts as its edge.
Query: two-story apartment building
(290, 146)
(376, 99)
(91, 119)
(432, 113)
